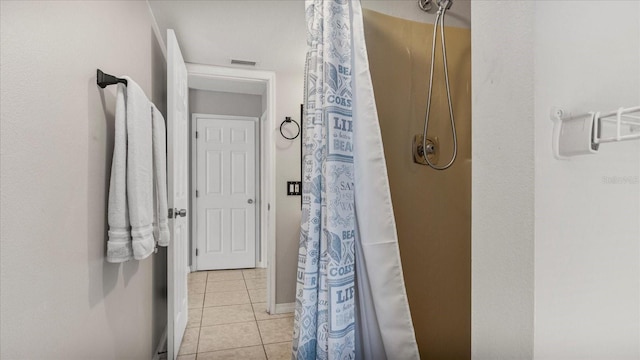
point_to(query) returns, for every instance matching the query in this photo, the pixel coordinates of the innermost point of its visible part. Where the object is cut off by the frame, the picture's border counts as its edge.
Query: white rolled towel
(139, 170)
(119, 242)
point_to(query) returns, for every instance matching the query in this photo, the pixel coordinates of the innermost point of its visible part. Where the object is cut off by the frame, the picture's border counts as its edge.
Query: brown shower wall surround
(432, 208)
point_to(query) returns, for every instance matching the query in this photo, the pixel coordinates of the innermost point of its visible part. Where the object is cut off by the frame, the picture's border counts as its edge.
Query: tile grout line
(253, 309)
(202, 314)
(199, 332)
(206, 278)
(251, 304)
(255, 321)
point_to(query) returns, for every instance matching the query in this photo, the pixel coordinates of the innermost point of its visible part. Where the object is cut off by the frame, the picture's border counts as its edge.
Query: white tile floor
(228, 320)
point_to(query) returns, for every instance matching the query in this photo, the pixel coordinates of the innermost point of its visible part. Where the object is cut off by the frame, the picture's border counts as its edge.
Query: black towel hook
(288, 119)
(103, 80)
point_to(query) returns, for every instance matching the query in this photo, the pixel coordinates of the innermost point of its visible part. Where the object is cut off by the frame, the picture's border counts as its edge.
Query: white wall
(59, 298)
(587, 277)
(223, 103)
(584, 300)
(289, 88)
(502, 221)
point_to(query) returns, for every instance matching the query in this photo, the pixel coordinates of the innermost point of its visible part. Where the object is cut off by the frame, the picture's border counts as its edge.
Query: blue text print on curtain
(325, 305)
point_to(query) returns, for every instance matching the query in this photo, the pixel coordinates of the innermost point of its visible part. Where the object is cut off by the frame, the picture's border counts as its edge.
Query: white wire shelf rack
(583, 134)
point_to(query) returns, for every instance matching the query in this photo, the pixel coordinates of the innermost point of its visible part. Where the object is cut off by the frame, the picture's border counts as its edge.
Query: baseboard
(162, 347)
(285, 308)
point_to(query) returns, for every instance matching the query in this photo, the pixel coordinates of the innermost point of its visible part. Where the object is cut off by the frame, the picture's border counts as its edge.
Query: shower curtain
(351, 300)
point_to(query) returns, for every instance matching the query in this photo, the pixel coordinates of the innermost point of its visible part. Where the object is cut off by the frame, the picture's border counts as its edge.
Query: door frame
(260, 260)
(254, 82)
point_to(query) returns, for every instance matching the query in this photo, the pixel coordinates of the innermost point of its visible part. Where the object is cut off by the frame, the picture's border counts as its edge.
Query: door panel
(226, 210)
(177, 156)
(213, 234)
(238, 173)
(214, 173)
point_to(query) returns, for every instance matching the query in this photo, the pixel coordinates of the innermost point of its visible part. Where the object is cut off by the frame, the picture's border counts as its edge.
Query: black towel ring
(288, 119)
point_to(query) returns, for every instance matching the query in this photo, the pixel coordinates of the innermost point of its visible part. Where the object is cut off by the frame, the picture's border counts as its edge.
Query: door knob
(250, 201)
(176, 213)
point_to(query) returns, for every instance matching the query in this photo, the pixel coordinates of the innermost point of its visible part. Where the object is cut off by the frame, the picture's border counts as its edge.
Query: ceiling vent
(243, 62)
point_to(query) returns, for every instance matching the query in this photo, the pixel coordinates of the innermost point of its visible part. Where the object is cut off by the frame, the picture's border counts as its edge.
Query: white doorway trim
(255, 82)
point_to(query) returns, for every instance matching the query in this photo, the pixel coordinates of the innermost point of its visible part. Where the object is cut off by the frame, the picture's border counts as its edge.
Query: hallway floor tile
(228, 320)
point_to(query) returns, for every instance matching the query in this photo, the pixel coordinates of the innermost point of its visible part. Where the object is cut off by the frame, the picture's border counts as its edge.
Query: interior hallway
(228, 320)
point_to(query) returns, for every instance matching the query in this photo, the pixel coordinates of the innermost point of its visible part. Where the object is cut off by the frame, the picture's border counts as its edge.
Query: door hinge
(197, 193)
(197, 134)
(196, 252)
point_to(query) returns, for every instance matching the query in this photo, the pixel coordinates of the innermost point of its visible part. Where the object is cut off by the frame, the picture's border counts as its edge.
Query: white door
(226, 189)
(177, 137)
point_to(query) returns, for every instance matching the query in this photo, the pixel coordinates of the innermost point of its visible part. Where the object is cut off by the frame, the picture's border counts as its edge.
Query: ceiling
(269, 32)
